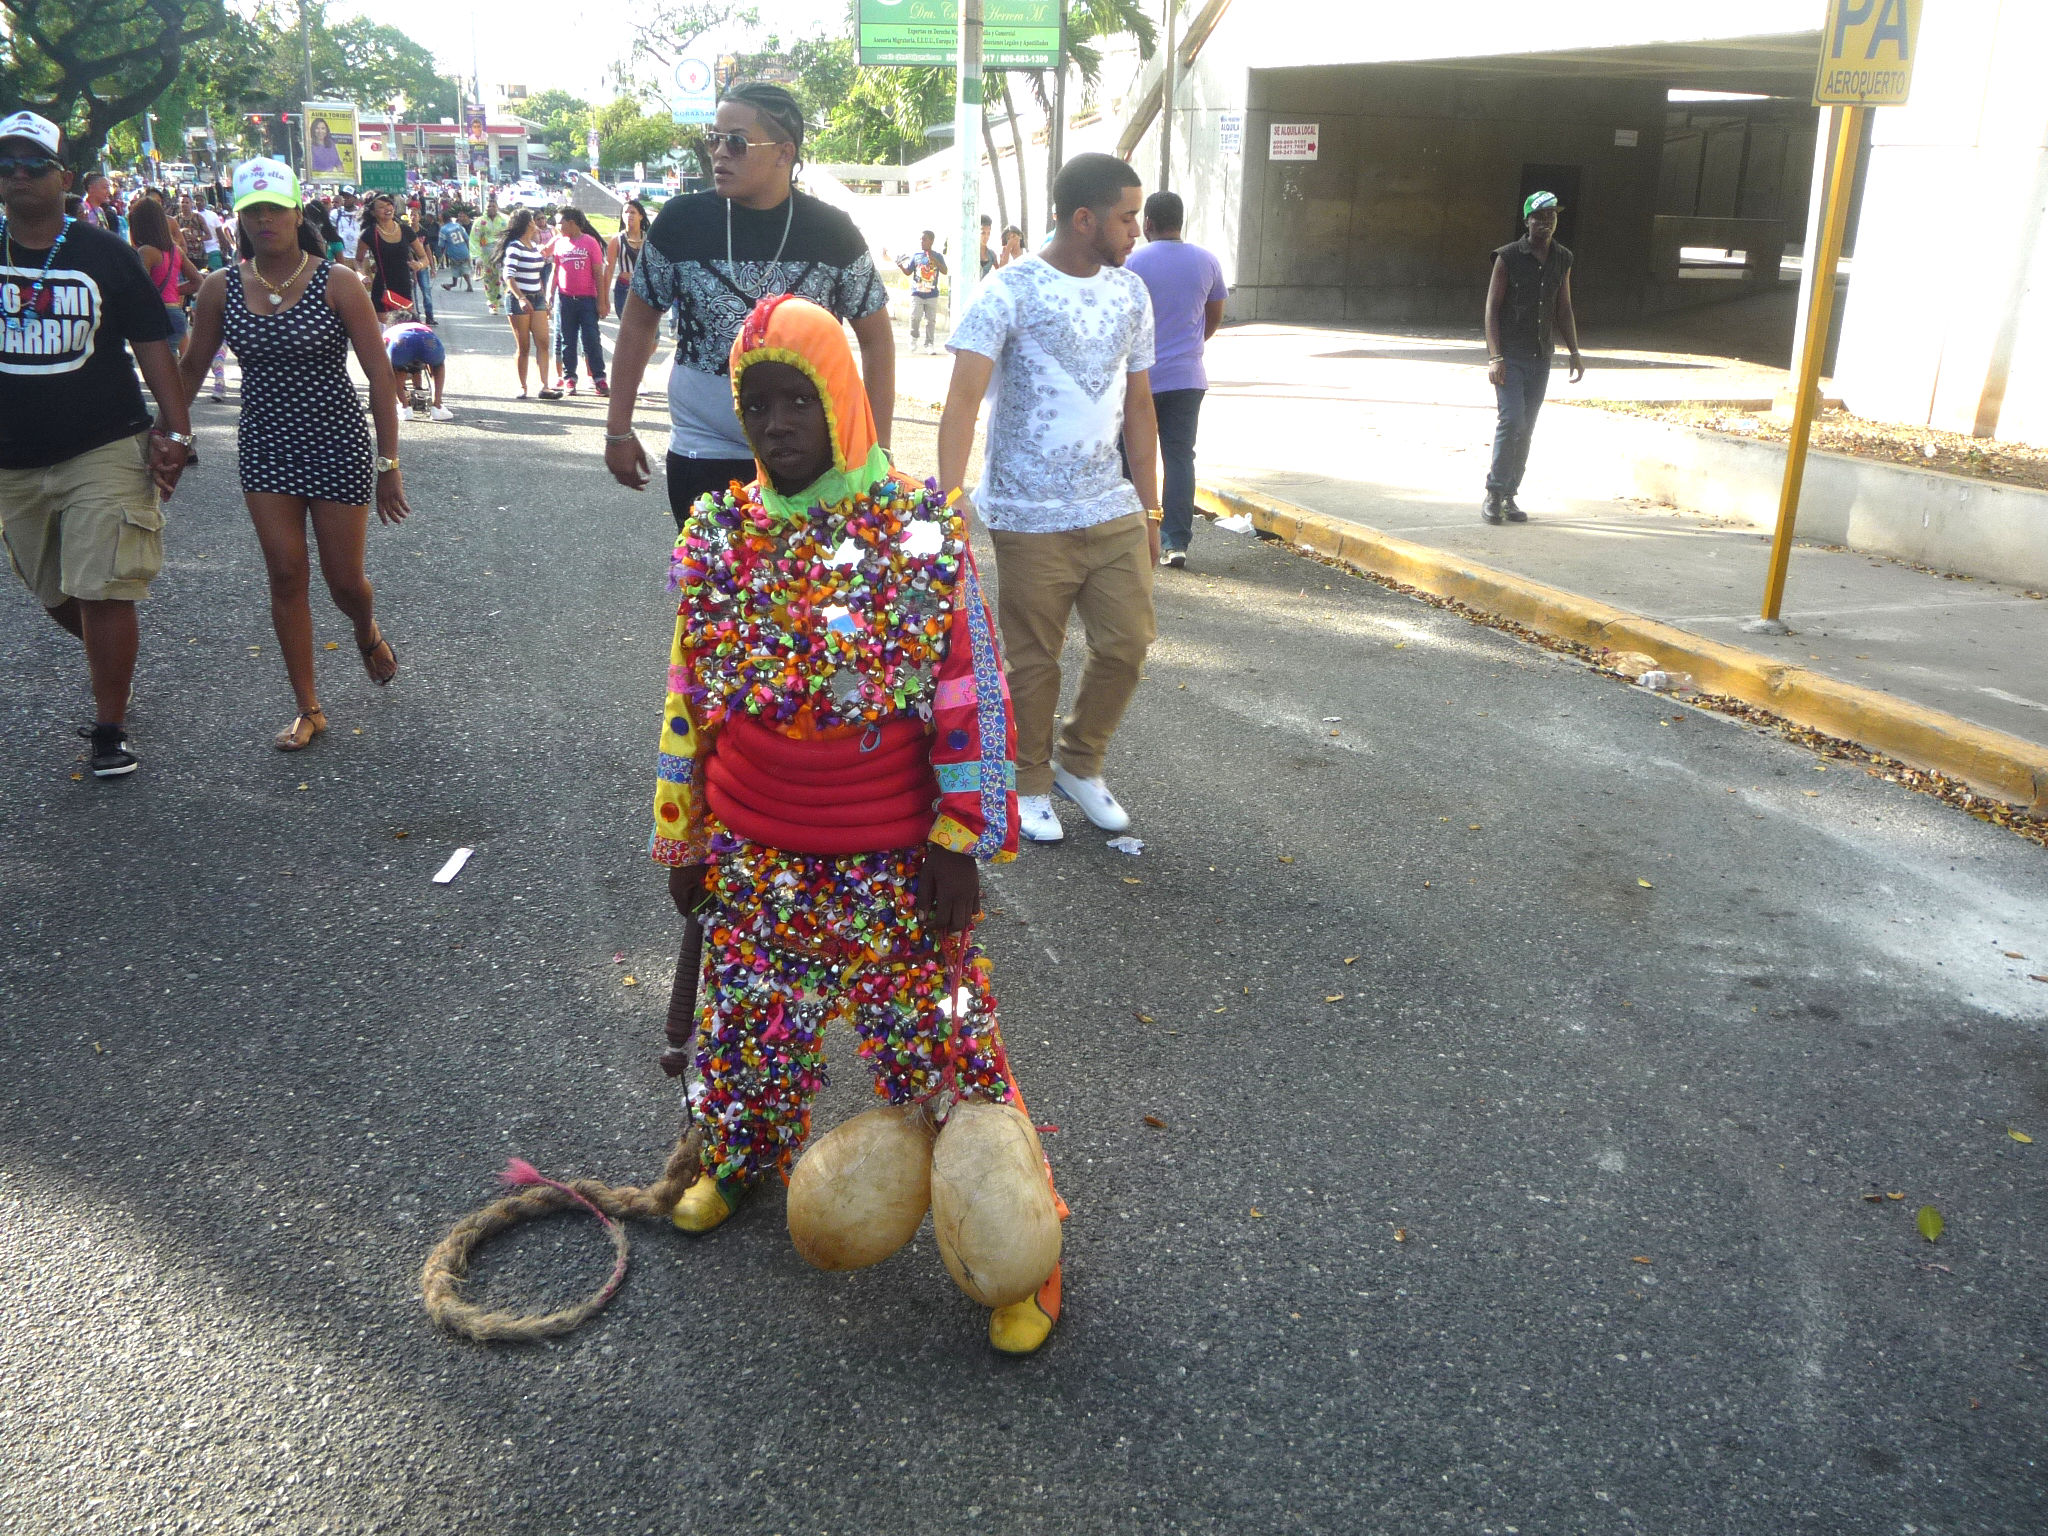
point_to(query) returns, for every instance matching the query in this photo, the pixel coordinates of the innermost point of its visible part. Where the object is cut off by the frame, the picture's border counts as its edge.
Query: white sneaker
(1174, 559)
(1036, 820)
(442, 413)
(1094, 798)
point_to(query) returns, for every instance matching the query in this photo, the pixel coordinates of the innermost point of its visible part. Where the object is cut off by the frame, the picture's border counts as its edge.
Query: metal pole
(1806, 399)
(1059, 125)
(1166, 83)
(967, 145)
(305, 129)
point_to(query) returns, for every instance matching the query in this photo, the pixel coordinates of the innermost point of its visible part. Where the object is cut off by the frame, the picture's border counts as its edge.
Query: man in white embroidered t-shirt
(1066, 338)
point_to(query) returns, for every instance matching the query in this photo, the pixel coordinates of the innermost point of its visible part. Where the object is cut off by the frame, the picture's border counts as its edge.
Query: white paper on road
(454, 865)
(1131, 845)
(1240, 523)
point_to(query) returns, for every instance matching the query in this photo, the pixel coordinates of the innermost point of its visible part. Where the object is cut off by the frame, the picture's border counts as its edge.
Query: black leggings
(690, 478)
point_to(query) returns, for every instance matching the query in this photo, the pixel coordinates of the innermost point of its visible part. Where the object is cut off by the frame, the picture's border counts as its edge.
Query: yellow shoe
(707, 1203)
(1022, 1326)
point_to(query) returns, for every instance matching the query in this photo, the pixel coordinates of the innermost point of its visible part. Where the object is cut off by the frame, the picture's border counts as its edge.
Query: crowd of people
(847, 727)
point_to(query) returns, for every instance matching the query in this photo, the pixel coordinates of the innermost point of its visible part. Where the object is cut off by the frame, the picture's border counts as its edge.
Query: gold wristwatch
(385, 466)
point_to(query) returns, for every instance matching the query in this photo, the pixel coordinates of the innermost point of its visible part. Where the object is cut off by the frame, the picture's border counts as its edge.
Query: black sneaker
(1174, 559)
(110, 755)
(1489, 509)
(1511, 512)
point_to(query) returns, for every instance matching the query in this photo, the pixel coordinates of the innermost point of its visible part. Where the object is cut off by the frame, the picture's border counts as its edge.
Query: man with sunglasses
(709, 258)
(81, 469)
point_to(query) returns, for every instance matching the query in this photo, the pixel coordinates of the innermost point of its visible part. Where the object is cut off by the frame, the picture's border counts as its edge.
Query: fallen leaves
(2019, 1136)
(1155, 1122)
(1472, 827)
(1257, 1214)
(628, 981)
(1400, 1234)
(1930, 1223)
(1645, 884)
(1132, 880)
(1142, 1018)
(335, 645)
(1640, 1259)
(2013, 954)
(1351, 959)
(1286, 858)
(1334, 997)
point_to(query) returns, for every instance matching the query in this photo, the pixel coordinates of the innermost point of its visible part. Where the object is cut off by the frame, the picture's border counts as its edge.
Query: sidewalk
(1393, 432)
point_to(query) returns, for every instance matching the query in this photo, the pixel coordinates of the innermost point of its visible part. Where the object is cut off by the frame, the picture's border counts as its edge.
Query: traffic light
(285, 118)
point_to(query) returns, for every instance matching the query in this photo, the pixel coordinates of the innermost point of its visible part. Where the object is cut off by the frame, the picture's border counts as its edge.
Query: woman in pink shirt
(579, 265)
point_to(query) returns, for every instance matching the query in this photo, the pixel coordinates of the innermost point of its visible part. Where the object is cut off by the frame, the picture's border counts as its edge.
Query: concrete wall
(1418, 178)
(1947, 323)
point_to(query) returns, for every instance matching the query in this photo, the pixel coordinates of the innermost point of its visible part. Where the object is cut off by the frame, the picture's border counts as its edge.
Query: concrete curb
(1991, 762)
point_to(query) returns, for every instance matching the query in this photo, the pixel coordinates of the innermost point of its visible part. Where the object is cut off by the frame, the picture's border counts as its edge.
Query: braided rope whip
(448, 1265)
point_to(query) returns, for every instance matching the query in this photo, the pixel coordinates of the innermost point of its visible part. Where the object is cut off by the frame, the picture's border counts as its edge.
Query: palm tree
(1088, 22)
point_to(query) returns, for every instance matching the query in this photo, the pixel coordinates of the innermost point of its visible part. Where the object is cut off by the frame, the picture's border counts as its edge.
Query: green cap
(1538, 200)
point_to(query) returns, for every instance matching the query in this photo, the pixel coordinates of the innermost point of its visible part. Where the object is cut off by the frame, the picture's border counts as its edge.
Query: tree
(1088, 22)
(564, 122)
(382, 64)
(90, 64)
(668, 28)
(626, 135)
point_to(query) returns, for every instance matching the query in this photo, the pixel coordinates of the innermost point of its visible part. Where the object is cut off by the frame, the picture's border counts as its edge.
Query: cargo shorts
(90, 527)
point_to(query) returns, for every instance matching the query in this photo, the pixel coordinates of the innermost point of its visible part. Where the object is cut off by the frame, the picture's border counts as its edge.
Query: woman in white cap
(292, 317)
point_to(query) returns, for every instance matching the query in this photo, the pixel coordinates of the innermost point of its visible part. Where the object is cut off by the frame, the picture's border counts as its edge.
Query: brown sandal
(376, 645)
(298, 736)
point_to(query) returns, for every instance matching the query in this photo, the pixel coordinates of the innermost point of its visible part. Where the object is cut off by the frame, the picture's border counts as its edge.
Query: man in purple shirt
(1188, 291)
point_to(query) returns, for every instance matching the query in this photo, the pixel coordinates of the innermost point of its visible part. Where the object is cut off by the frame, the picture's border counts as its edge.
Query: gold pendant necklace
(277, 293)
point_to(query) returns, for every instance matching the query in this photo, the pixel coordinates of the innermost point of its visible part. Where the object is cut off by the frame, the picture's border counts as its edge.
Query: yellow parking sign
(1866, 53)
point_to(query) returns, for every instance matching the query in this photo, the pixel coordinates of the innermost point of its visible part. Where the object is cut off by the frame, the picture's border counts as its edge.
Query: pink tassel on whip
(518, 1171)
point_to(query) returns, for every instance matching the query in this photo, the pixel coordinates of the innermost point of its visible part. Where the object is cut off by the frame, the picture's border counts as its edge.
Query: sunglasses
(736, 144)
(29, 165)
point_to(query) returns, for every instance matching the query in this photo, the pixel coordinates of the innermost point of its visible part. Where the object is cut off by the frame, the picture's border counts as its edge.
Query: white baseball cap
(38, 130)
(265, 181)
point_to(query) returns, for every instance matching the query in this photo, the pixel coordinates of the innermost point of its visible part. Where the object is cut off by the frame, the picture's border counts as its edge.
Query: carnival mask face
(784, 420)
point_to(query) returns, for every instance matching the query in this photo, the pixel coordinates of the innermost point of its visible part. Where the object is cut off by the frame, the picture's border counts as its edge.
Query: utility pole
(1166, 83)
(305, 132)
(967, 145)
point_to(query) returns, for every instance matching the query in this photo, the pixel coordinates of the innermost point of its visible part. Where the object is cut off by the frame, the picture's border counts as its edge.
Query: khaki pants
(1105, 573)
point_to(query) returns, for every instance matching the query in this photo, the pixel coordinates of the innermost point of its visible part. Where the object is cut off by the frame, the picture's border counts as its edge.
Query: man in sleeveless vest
(1529, 297)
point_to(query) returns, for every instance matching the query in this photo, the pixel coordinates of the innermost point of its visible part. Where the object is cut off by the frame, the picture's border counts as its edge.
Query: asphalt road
(1527, 1047)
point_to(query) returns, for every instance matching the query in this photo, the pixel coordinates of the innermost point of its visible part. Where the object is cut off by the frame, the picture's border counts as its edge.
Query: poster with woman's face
(331, 143)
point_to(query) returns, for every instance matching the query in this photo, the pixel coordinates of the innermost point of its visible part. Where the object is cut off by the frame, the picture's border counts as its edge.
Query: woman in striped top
(527, 269)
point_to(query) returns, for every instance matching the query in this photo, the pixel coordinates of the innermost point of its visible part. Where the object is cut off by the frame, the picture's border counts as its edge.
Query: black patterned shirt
(683, 269)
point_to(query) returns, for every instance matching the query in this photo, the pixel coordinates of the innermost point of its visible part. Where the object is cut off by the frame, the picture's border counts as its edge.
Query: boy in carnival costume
(836, 753)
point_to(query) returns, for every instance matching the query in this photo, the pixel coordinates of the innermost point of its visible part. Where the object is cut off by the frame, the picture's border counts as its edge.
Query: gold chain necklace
(277, 293)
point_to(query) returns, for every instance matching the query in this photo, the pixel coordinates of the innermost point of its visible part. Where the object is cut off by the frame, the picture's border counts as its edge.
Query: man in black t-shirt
(1529, 294)
(81, 470)
(709, 258)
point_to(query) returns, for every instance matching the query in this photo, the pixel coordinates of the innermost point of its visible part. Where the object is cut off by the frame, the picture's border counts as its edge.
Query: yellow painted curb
(2006, 767)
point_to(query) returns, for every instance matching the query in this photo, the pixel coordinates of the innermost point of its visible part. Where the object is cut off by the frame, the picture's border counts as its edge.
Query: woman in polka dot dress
(292, 317)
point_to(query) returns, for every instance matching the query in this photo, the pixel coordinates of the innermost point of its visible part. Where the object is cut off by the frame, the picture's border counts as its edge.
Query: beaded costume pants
(794, 941)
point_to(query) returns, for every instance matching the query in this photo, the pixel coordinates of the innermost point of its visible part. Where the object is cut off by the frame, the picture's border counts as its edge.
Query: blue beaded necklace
(35, 294)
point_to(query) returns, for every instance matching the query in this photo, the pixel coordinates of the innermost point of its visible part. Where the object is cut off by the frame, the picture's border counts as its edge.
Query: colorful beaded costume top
(836, 613)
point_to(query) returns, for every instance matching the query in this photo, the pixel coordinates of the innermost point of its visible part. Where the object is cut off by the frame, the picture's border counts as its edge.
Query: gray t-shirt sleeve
(990, 315)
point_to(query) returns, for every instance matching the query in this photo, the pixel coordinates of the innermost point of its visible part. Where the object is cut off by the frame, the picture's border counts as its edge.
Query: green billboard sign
(1015, 34)
(383, 175)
